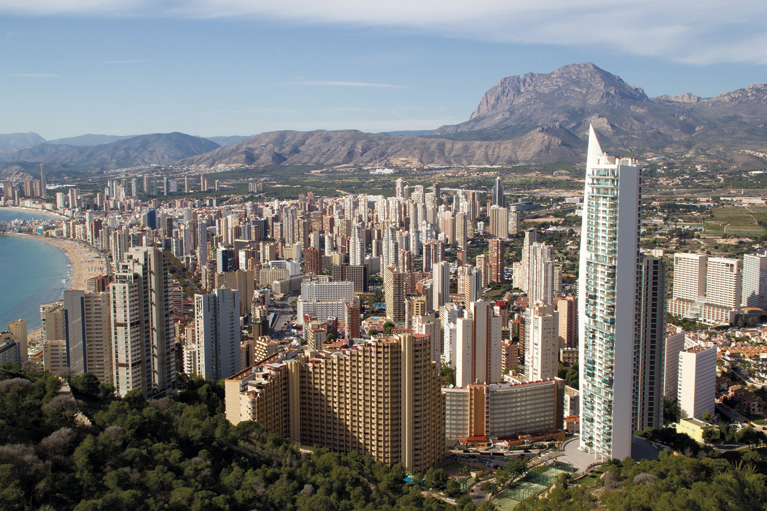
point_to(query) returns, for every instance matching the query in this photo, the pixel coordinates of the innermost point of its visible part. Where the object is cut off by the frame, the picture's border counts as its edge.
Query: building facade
(607, 302)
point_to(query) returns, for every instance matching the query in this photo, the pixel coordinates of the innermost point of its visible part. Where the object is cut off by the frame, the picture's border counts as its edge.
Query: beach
(35, 211)
(86, 262)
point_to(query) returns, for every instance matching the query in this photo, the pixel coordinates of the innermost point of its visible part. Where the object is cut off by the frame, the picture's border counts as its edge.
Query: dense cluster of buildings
(369, 383)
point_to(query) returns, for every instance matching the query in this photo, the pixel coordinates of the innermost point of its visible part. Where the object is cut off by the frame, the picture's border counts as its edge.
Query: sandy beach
(86, 262)
(33, 211)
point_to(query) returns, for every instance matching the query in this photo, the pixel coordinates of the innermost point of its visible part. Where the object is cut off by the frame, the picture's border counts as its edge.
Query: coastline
(35, 211)
(86, 263)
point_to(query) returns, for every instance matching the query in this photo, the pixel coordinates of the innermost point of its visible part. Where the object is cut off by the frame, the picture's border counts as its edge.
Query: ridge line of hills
(531, 118)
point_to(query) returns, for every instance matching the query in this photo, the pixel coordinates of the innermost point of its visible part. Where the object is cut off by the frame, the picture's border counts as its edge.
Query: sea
(32, 272)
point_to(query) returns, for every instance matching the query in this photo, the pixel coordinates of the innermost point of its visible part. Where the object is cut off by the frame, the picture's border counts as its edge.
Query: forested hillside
(91, 451)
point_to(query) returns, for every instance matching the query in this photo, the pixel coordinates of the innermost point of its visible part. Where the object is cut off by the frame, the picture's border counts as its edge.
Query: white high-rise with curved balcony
(607, 302)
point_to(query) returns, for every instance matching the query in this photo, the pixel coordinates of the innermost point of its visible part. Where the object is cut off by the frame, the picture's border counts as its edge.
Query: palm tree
(740, 489)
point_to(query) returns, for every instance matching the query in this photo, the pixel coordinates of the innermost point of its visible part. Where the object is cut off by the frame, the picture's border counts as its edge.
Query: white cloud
(696, 31)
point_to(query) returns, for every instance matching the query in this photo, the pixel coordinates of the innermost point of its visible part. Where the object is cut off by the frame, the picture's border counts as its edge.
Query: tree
(672, 412)
(435, 478)
(388, 327)
(453, 489)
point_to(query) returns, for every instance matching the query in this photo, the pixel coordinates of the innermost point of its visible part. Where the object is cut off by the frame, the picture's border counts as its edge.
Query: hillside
(340, 147)
(16, 141)
(160, 148)
(175, 454)
(574, 96)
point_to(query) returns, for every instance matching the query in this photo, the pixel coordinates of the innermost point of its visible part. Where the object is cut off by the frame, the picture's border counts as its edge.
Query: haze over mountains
(141, 150)
(533, 118)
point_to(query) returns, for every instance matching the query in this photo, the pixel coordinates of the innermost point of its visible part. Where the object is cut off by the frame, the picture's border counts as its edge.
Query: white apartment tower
(217, 334)
(754, 289)
(607, 301)
(697, 381)
(542, 346)
(478, 346)
(723, 282)
(689, 276)
(356, 247)
(540, 275)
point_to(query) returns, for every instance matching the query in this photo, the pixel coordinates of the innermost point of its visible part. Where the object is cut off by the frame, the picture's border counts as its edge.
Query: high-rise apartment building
(88, 334)
(530, 237)
(540, 275)
(469, 284)
(499, 222)
(651, 344)
(440, 286)
(381, 398)
(312, 261)
(568, 322)
(478, 345)
(754, 289)
(499, 199)
(674, 346)
(495, 259)
(542, 343)
(723, 282)
(217, 335)
(143, 352)
(394, 294)
(689, 276)
(607, 301)
(356, 247)
(697, 381)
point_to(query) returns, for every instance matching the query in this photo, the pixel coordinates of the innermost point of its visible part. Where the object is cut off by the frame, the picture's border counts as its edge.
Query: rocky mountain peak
(577, 84)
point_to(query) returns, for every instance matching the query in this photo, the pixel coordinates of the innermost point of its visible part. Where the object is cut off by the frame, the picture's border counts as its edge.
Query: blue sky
(241, 67)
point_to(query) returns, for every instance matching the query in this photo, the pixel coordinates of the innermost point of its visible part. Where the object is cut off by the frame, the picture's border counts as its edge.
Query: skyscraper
(689, 276)
(499, 222)
(499, 199)
(394, 294)
(356, 247)
(542, 343)
(88, 334)
(754, 287)
(495, 260)
(143, 353)
(43, 181)
(723, 282)
(607, 301)
(478, 346)
(651, 345)
(440, 285)
(217, 334)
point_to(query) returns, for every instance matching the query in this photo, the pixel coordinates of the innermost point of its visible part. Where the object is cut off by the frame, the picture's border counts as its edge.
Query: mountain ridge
(158, 148)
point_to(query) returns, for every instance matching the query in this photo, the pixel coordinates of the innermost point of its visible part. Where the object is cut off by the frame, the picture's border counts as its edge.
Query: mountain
(407, 133)
(339, 147)
(15, 141)
(540, 118)
(89, 140)
(161, 148)
(230, 140)
(574, 96)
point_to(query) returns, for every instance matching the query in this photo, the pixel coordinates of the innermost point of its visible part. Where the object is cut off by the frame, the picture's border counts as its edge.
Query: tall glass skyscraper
(608, 301)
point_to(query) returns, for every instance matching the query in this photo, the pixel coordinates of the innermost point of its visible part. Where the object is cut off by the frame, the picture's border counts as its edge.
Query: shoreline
(85, 262)
(35, 211)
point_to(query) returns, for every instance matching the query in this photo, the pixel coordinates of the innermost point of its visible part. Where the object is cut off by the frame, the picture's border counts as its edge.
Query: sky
(242, 67)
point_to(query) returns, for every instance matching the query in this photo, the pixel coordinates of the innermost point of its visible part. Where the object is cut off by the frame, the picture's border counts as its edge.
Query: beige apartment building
(381, 398)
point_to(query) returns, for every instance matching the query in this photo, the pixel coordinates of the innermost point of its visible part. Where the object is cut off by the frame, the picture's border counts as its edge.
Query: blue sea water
(32, 272)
